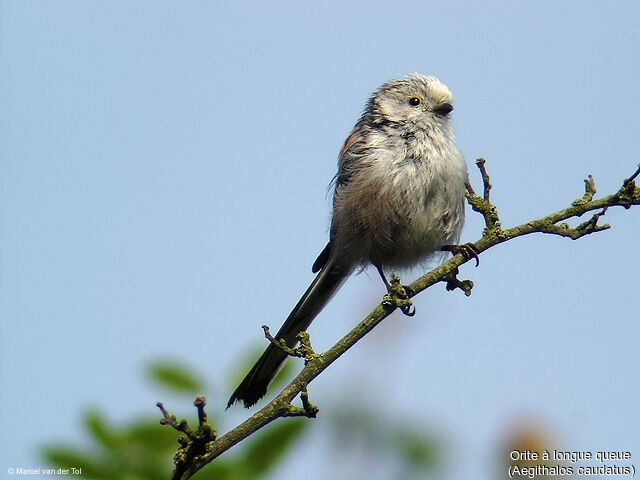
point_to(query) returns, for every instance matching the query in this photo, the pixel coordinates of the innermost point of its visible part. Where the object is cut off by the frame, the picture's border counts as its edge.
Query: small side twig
(193, 445)
(200, 403)
(305, 350)
(628, 192)
(311, 409)
(281, 344)
(453, 282)
(483, 204)
(554, 226)
(589, 192)
(308, 409)
(633, 176)
(181, 426)
(486, 181)
(591, 225)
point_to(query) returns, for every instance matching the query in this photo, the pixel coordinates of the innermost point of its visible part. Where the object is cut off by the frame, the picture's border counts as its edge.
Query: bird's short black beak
(443, 110)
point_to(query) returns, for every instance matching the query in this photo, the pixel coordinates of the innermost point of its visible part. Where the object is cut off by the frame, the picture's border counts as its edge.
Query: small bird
(398, 199)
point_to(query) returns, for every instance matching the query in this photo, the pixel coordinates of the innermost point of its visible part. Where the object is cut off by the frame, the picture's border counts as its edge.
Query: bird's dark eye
(444, 109)
(415, 101)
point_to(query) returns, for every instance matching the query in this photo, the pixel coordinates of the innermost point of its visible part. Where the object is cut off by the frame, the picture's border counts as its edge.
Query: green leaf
(219, 469)
(419, 450)
(142, 449)
(104, 434)
(284, 375)
(153, 435)
(173, 376)
(69, 457)
(265, 451)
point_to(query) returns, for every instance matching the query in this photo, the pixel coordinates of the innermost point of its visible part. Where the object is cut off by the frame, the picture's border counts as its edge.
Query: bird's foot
(467, 250)
(398, 296)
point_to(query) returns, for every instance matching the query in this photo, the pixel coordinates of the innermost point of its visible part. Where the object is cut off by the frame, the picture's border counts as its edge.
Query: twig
(632, 177)
(193, 445)
(589, 191)
(485, 178)
(303, 351)
(483, 204)
(282, 345)
(171, 420)
(200, 404)
(453, 282)
(308, 409)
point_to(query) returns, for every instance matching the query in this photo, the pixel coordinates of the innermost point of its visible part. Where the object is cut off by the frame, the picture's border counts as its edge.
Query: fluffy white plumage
(401, 196)
(398, 199)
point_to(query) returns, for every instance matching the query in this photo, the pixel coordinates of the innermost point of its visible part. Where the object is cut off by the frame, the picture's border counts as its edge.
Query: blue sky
(163, 192)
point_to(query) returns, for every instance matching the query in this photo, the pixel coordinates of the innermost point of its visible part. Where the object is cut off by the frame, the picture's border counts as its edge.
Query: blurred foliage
(393, 449)
(142, 449)
(172, 376)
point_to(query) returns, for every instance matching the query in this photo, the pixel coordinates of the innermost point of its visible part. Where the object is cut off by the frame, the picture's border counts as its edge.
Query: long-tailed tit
(398, 199)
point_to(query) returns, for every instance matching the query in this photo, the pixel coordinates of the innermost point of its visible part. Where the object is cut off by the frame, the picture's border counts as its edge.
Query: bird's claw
(467, 250)
(409, 310)
(398, 297)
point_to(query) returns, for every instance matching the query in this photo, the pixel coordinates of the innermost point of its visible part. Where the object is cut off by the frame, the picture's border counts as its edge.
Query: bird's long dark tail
(323, 287)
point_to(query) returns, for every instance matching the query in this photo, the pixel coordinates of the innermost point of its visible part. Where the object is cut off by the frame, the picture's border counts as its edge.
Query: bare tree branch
(201, 447)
